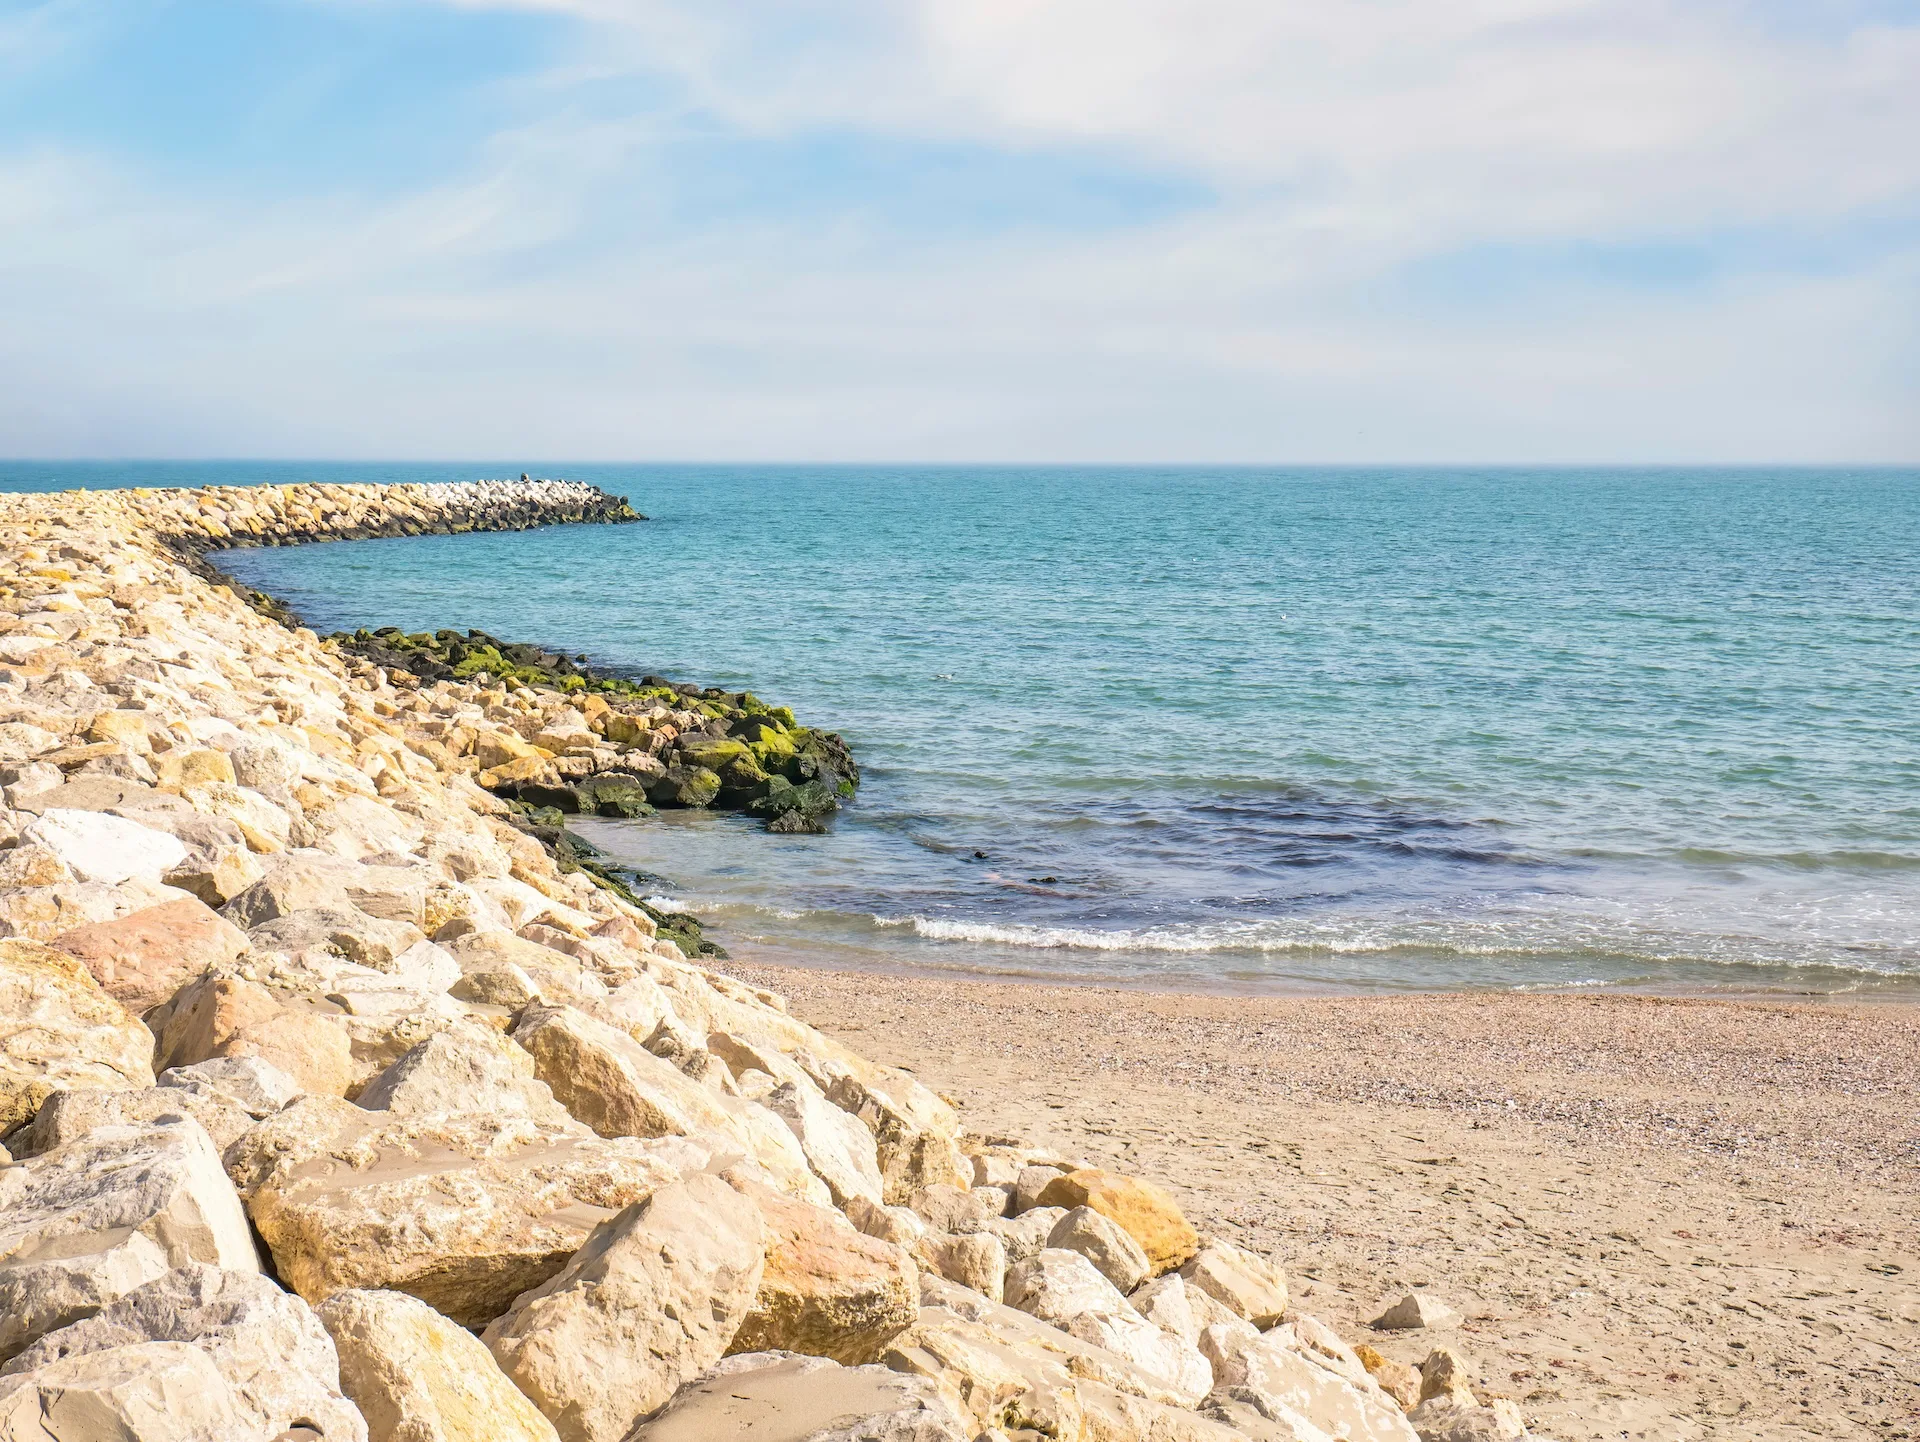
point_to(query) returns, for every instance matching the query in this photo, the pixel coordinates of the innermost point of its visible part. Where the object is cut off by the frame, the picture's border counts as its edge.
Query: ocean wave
(1447, 938)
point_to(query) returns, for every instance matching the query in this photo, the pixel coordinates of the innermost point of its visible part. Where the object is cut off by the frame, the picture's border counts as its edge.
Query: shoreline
(1899, 992)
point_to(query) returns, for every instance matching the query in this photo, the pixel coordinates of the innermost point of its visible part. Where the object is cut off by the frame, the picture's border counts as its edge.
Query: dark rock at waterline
(685, 786)
(614, 793)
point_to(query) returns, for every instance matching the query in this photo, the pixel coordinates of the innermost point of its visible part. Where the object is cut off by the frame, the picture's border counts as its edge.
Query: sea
(1249, 729)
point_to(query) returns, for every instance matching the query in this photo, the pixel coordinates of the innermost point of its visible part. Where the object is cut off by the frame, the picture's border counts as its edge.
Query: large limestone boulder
(73, 1116)
(1025, 1235)
(1246, 1284)
(1148, 1214)
(267, 1367)
(612, 1083)
(88, 1222)
(1284, 1380)
(250, 1083)
(826, 1289)
(416, 1377)
(59, 1029)
(620, 1089)
(463, 1071)
(561, 980)
(463, 1211)
(1113, 1252)
(976, 1260)
(1006, 1370)
(142, 959)
(226, 1016)
(780, 1397)
(41, 913)
(344, 931)
(160, 1392)
(947, 1208)
(838, 1147)
(103, 848)
(1066, 1290)
(1172, 1306)
(1056, 1286)
(651, 1299)
(915, 1133)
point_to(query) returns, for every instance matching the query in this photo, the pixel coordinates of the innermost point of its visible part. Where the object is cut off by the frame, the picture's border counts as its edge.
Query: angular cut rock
(72, 1116)
(1172, 1362)
(561, 979)
(41, 913)
(1065, 1289)
(825, 1289)
(1246, 1284)
(1414, 1312)
(88, 1222)
(1114, 1254)
(103, 848)
(464, 1212)
(1315, 1336)
(1165, 1302)
(1007, 1370)
(1280, 1379)
(416, 1377)
(1029, 1183)
(1397, 1379)
(254, 1085)
(1150, 1216)
(142, 959)
(1057, 1286)
(223, 1016)
(466, 1071)
(265, 826)
(344, 931)
(650, 1301)
(948, 1208)
(916, 1133)
(976, 1260)
(890, 1224)
(781, 1397)
(273, 1365)
(838, 1147)
(620, 1089)
(59, 1029)
(289, 882)
(1026, 1235)
(160, 1392)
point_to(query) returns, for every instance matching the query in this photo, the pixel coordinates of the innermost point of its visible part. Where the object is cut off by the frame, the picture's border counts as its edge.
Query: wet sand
(1658, 1218)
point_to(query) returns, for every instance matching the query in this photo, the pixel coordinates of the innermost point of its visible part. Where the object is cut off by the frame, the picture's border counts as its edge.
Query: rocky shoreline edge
(335, 1107)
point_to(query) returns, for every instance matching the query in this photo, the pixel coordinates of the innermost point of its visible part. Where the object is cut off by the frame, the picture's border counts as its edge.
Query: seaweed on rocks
(647, 743)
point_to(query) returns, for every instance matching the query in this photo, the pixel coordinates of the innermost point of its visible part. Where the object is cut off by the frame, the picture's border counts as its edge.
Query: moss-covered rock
(685, 786)
(735, 749)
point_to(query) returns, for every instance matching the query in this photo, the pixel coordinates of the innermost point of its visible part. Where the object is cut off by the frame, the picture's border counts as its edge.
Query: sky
(1265, 231)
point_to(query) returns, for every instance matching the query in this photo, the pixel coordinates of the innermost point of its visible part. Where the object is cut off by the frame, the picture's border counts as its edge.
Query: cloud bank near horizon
(1200, 230)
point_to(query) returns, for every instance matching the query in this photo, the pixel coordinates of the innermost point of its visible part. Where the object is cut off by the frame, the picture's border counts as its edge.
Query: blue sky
(1106, 230)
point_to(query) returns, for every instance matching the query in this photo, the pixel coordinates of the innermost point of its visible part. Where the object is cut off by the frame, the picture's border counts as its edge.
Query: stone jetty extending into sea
(338, 1103)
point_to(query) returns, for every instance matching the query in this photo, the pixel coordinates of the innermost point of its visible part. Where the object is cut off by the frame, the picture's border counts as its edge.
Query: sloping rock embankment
(335, 1108)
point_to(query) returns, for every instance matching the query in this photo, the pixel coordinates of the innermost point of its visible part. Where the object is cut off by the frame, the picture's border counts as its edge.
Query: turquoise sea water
(1260, 729)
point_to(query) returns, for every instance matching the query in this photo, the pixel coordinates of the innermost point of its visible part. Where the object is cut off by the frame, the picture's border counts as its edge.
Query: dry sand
(1657, 1218)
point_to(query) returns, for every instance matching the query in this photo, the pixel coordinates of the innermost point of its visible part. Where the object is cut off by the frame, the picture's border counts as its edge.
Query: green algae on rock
(602, 744)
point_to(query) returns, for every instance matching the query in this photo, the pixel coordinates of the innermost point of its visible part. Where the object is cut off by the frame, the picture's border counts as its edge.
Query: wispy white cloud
(539, 300)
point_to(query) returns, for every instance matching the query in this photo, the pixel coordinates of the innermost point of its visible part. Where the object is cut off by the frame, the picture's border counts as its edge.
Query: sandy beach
(1657, 1218)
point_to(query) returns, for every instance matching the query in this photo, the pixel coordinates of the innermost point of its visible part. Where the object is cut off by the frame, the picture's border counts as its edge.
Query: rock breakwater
(336, 1108)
